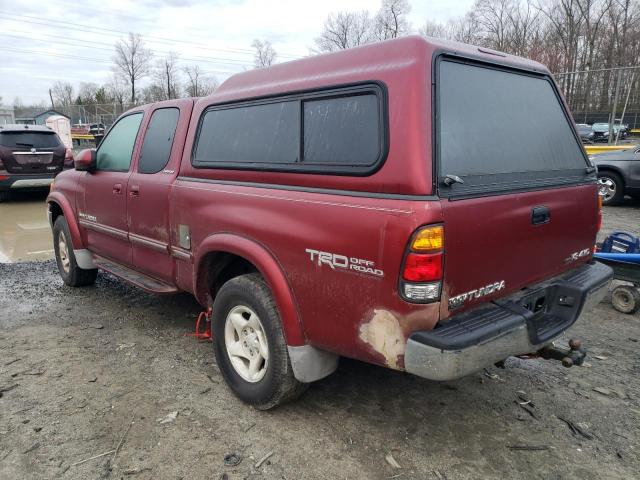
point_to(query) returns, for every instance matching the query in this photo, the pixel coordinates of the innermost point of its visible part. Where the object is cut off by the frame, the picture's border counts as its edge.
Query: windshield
(503, 130)
(29, 139)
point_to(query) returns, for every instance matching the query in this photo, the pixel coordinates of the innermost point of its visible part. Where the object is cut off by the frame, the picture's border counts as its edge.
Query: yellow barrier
(635, 130)
(78, 136)
(591, 149)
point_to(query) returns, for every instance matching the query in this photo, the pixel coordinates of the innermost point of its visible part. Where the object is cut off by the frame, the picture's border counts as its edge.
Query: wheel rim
(63, 252)
(623, 299)
(607, 188)
(246, 343)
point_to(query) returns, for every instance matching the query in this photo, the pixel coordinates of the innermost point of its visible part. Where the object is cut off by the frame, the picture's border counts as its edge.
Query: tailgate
(493, 240)
(518, 194)
(34, 162)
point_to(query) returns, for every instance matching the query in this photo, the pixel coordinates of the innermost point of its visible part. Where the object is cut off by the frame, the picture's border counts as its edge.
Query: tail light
(421, 279)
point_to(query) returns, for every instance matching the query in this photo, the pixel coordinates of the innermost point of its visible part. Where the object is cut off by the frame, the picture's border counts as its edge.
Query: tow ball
(575, 355)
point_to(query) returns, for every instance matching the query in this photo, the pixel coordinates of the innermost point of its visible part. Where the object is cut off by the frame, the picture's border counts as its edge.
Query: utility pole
(615, 105)
(51, 98)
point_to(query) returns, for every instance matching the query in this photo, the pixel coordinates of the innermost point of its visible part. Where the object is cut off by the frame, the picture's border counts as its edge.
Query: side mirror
(85, 161)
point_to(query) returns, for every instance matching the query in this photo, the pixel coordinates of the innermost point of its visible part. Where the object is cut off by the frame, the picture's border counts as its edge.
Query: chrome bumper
(480, 338)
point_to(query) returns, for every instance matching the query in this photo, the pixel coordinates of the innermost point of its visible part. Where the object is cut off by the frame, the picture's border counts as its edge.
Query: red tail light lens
(419, 267)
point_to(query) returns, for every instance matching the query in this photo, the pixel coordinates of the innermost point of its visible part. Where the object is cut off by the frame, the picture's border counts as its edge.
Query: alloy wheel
(246, 343)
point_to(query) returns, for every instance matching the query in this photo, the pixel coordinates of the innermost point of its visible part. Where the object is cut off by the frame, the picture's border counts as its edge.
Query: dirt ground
(89, 371)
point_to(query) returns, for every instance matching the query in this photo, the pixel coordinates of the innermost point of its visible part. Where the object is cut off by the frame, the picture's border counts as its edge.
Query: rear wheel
(625, 299)
(71, 273)
(611, 188)
(249, 344)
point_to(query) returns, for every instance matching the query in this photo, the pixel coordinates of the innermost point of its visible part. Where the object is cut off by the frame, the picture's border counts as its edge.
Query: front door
(149, 185)
(103, 210)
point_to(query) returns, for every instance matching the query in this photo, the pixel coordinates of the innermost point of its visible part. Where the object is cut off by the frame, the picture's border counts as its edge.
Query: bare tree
(166, 76)
(198, 85)
(435, 29)
(391, 20)
(117, 90)
(87, 93)
(265, 55)
(132, 60)
(63, 93)
(345, 30)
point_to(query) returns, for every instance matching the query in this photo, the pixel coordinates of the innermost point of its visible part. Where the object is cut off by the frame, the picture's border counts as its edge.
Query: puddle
(24, 229)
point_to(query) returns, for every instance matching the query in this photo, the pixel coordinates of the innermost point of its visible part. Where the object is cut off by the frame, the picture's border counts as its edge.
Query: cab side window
(158, 140)
(115, 151)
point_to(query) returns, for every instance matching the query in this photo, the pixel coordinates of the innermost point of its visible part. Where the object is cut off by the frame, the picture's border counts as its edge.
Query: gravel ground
(88, 371)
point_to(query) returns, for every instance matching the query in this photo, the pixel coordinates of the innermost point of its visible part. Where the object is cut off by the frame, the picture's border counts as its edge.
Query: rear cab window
(158, 140)
(502, 130)
(29, 140)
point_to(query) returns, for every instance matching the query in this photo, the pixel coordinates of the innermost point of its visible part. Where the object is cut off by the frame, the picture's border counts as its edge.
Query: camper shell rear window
(500, 130)
(332, 131)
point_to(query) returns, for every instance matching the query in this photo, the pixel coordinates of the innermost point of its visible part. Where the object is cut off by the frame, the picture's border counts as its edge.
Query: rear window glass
(158, 140)
(501, 129)
(343, 130)
(251, 134)
(29, 140)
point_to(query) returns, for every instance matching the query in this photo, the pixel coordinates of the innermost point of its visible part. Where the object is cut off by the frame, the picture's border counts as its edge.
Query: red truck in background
(417, 204)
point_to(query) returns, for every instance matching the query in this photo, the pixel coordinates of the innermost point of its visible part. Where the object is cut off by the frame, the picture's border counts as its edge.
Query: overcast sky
(72, 40)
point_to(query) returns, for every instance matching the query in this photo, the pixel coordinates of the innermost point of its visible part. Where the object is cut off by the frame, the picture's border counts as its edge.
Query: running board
(138, 279)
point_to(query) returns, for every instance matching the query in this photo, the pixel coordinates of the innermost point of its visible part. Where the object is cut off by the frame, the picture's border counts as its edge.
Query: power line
(93, 29)
(86, 59)
(212, 60)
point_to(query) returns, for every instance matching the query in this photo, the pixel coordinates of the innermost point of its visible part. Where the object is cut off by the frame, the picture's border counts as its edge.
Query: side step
(138, 279)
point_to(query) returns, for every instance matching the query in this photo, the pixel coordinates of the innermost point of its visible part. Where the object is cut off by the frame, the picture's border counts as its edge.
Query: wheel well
(611, 170)
(220, 267)
(56, 211)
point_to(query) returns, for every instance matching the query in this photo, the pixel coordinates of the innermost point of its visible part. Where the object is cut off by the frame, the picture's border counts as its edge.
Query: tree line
(585, 43)
(134, 62)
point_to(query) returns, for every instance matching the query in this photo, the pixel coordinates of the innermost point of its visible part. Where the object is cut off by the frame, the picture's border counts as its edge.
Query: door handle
(134, 191)
(117, 189)
(540, 215)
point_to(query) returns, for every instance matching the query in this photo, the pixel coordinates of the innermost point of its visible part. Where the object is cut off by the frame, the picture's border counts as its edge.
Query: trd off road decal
(335, 261)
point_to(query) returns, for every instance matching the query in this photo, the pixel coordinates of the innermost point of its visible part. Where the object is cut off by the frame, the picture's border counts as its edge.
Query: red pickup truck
(417, 204)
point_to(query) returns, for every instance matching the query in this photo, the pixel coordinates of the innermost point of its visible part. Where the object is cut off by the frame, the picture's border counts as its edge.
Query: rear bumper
(15, 182)
(506, 327)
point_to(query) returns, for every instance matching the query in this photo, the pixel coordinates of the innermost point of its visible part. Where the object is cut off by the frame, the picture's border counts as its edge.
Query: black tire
(278, 385)
(71, 274)
(4, 196)
(611, 180)
(625, 299)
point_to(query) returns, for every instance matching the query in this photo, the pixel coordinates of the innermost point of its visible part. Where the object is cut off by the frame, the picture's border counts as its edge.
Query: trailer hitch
(575, 355)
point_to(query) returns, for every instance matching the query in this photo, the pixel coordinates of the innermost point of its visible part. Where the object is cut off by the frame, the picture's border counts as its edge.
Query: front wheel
(71, 273)
(611, 188)
(249, 344)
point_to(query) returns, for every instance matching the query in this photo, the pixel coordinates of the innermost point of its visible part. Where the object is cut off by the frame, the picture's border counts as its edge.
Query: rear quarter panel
(354, 314)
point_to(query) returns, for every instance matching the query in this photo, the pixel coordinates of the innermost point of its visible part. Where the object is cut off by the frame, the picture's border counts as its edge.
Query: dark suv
(30, 157)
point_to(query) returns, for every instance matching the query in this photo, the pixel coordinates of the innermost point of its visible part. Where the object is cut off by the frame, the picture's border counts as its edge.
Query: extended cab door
(149, 185)
(103, 203)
